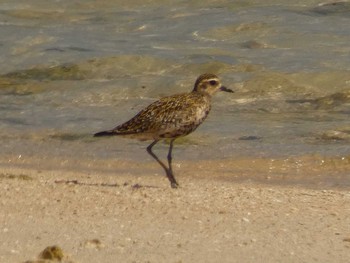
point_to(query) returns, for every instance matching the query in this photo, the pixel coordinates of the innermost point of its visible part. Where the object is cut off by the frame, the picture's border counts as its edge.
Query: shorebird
(170, 118)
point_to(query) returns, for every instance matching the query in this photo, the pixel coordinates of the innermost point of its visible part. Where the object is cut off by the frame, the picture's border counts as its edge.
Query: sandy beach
(266, 178)
(109, 218)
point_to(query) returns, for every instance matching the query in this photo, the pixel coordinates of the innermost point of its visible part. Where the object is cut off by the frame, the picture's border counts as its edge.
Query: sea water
(72, 68)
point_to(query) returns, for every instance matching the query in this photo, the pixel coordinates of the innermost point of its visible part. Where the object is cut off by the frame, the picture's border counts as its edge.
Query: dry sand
(105, 218)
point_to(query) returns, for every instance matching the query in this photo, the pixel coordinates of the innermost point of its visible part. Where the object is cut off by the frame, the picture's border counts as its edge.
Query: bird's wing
(163, 115)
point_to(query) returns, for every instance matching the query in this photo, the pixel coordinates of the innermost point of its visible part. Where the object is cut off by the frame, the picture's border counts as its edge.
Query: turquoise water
(72, 68)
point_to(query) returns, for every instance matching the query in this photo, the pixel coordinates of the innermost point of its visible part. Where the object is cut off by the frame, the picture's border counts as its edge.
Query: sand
(109, 218)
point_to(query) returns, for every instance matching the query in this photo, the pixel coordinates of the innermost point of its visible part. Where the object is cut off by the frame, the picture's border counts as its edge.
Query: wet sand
(72, 68)
(127, 218)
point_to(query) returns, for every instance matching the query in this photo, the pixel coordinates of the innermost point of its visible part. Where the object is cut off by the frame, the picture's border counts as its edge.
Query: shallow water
(72, 68)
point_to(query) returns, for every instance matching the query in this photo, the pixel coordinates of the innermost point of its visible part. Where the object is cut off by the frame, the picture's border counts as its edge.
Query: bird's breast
(185, 119)
(201, 114)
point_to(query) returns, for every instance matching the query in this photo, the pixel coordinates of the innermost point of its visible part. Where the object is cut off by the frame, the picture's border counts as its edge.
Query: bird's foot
(174, 185)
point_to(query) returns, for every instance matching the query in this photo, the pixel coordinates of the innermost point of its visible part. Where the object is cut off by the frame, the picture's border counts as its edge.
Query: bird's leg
(149, 150)
(167, 170)
(174, 184)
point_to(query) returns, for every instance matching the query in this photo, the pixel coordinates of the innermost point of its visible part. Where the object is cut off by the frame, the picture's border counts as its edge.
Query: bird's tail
(105, 133)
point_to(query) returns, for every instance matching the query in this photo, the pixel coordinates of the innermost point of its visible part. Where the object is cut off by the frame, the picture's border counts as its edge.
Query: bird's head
(209, 84)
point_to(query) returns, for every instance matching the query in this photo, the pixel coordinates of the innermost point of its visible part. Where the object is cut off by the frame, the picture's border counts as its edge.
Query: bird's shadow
(76, 182)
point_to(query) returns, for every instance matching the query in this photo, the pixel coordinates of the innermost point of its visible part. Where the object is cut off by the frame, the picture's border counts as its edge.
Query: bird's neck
(201, 93)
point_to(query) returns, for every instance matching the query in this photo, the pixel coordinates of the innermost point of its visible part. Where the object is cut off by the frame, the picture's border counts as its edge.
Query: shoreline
(104, 218)
(305, 171)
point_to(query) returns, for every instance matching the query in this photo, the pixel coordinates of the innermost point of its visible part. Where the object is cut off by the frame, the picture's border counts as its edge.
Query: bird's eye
(213, 82)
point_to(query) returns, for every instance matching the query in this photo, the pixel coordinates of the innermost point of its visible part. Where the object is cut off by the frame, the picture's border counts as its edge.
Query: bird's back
(169, 117)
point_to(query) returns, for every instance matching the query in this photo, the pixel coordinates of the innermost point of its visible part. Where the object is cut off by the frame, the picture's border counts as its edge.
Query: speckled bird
(170, 118)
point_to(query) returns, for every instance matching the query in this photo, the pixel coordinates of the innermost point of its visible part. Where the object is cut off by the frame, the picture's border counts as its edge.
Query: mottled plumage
(171, 117)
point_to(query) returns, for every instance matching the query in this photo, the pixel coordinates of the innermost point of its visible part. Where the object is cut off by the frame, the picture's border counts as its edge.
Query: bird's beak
(223, 88)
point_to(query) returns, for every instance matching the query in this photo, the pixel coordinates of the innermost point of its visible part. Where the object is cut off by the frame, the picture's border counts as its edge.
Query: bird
(170, 118)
